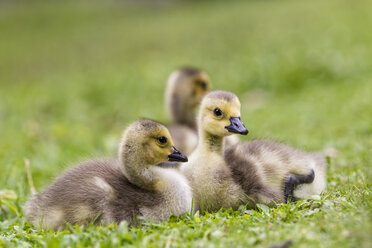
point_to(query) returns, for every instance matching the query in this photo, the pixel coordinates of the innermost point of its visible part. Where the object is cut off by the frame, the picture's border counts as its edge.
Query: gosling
(249, 172)
(185, 90)
(129, 188)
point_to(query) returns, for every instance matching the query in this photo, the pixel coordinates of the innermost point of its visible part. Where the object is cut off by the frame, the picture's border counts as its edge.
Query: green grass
(73, 75)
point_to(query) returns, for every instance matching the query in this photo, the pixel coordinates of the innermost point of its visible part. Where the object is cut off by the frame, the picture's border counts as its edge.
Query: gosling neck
(136, 170)
(210, 142)
(180, 111)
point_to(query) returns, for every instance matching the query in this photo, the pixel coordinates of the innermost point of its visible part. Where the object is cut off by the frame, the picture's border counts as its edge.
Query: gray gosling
(185, 90)
(129, 188)
(249, 172)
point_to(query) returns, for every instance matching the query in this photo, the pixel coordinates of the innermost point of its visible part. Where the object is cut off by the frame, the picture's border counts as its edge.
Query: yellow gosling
(250, 172)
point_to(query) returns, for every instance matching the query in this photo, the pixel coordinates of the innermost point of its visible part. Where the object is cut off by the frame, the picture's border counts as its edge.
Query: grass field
(74, 74)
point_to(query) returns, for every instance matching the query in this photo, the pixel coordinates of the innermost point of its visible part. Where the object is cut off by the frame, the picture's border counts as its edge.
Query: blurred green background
(73, 74)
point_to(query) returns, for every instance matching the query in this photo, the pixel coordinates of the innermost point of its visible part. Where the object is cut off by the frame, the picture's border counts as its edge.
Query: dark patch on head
(148, 119)
(189, 71)
(218, 94)
(149, 124)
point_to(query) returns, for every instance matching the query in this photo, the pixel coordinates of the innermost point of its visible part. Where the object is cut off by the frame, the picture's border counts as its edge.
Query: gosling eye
(217, 112)
(162, 140)
(202, 84)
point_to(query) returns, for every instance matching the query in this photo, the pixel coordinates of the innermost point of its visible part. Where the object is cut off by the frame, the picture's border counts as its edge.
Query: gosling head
(189, 83)
(148, 143)
(185, 90)
(220, 114)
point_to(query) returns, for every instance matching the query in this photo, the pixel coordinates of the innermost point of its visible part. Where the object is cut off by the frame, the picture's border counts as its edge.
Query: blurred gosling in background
(185, 90)
(115, 190)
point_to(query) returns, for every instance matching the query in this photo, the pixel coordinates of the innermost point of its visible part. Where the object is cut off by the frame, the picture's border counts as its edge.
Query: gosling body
(211, 179)
(296, 173)
(130, 188)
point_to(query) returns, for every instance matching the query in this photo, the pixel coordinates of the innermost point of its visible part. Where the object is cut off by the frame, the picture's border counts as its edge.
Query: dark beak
(177, 156)
(236, 126)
